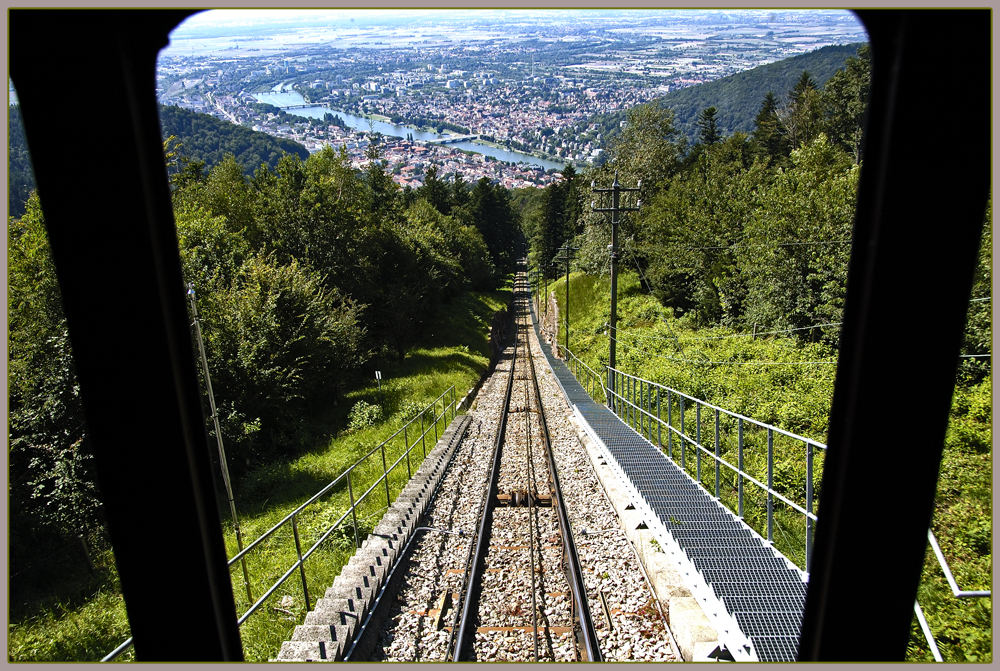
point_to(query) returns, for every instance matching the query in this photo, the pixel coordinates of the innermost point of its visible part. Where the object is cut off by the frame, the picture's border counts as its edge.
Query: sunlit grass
(656, 345)
(455, 353)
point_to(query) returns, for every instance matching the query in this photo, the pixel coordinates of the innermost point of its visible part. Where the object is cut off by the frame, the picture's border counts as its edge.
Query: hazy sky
(224, 22)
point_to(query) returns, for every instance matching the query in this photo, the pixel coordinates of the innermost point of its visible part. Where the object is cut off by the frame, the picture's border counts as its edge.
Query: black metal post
(616, 209)
(903, 188)
(127, 244)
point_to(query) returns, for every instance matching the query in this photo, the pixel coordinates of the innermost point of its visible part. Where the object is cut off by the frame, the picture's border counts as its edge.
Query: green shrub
(363, 415)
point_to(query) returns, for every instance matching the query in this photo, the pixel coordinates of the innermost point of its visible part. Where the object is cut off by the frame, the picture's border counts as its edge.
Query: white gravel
(438, 560)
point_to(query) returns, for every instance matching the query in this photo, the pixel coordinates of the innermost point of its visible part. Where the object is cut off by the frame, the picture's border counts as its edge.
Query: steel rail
(574, 575)
(532, 494)
(474, 568)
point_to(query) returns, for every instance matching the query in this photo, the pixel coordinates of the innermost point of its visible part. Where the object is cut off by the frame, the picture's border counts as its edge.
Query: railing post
(670, 427)
(809, 504)
(683, 437)
(611, 389)
(423, 434)
(637, 403)
(354, 514)
(385, 477)
(648, 407)
(631, 406)
(406, 448)
(642, 406)
(659, 424)
(770, 485)
(629, 410)
(619, 394)
(697, 440)
(302, 568)
(434, 413)
(739, 465)
(716, 453)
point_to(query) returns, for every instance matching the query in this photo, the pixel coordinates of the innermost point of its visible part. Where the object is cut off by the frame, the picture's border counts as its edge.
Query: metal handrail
(340, 477)
(580, 362)
(620, 398)
(299, 564)
(771, 430)
(736, 415)
(958, 593)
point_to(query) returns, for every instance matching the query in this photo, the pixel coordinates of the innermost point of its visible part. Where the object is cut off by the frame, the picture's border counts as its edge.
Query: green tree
(769, 135)
(489, 210)
(845, 99)
(435, 191)
(708, 126)
(50, 461)
(796, 245)
(647, 148)
(383, 204)
(803, 116)
(688, 235)
(277, 342)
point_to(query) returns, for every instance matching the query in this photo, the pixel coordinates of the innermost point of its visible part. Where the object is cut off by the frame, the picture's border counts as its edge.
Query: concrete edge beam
(337, 615)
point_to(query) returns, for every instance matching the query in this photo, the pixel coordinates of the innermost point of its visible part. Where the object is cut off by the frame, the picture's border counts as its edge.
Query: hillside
(738, 97)
(205, 138)
(202, 137)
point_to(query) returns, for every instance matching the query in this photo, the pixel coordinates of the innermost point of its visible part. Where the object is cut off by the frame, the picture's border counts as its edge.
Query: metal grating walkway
(756, 586)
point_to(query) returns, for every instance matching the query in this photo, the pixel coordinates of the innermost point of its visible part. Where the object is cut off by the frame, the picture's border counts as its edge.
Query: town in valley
(512, 96)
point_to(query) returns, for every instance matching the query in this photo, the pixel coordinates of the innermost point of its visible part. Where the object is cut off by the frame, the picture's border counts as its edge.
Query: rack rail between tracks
(473, 577)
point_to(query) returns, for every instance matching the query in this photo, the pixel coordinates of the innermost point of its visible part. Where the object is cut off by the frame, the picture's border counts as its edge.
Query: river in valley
(287, 98)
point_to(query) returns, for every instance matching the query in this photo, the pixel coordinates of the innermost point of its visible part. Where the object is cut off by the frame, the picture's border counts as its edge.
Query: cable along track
(494, 574)
(524, 597)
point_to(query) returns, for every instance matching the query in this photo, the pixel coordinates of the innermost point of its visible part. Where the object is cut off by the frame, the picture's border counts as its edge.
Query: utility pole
(545, 291)
(567, 253)
(223, 463)
(555, 335)
(616, 209)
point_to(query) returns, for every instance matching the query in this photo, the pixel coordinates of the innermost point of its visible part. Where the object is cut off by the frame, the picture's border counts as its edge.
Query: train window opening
(305, 159)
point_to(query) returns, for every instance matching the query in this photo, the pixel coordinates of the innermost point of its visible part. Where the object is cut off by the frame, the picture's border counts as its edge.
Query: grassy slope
(457, 353)
(797, 398)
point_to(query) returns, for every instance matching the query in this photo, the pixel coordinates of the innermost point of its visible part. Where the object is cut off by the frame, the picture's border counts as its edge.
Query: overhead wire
(771, 244)
(751, 335)
(723, 363)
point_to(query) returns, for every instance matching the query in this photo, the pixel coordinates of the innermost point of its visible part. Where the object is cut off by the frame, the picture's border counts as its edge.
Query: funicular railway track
(493, 574)
(524, 551)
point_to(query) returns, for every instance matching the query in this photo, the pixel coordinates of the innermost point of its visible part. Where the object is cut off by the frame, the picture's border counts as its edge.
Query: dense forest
(303, 274)
(203, 138)
(733, 289)
(200, 141)
(738, 230)
(737, 97)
